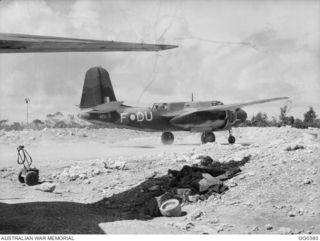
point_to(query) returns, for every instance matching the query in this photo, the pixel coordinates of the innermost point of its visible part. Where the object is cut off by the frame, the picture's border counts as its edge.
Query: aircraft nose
(84, 116)
(242, 115)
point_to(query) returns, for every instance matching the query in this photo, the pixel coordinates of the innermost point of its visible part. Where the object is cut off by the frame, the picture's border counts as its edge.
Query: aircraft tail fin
(97, 88)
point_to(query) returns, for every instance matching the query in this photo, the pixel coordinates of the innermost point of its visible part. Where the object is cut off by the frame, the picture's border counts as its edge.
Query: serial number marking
(308, 237)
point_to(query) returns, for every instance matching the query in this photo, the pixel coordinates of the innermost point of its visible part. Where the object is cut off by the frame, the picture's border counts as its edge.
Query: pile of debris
(196, 182)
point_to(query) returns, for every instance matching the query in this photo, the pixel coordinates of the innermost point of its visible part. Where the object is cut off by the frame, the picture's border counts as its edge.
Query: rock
(307, 181)
(232, 184)
(73, 176)
(279, 206)
(297, 231)
(87, 182)
(269, 227)
(193, 198)
(188, 226)
(241, 177)
(255, 229)
(284, 230)
(195, 215)
(300, 211)
(315, 171)
(291, 214)
(118, 165)
(214, 220)
(96, 172)
(82, 176)
(248, 203)
(46, 187)
(294, 148)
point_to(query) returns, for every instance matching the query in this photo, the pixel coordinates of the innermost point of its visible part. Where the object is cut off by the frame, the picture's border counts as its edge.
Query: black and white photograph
(159, 117)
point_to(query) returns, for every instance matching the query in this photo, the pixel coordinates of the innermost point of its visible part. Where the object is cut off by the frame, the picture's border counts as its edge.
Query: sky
(231, 51)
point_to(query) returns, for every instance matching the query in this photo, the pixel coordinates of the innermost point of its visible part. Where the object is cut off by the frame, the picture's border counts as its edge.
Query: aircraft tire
(207, 137)
(231, 139)
(31, 178)
(167, 138)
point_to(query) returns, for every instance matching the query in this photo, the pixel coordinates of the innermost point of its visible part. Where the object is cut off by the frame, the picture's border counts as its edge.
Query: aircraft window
(216, 103)
(155, 107)
(163, 106)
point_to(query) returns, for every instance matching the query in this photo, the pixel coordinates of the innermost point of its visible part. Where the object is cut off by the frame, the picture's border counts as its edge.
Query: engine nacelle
(231, 116)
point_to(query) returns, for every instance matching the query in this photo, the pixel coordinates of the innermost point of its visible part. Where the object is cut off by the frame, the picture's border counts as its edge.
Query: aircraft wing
(227, 107)
(106, 107)
(20, 43)
(179, 112)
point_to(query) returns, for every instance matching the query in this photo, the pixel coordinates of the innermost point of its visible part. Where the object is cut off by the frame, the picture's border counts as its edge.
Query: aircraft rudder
(97, 88)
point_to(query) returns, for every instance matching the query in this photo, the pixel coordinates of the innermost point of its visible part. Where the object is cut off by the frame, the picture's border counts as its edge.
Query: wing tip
(167, 46)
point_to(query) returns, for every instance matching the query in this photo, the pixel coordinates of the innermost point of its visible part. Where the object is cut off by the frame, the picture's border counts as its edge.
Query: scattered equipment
(27, 175)
(171, 208)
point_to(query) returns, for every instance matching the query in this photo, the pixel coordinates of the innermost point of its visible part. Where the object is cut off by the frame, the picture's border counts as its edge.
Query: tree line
(262, 120)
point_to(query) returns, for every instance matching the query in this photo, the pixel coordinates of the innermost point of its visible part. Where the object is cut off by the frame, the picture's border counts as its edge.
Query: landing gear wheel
(31, 178)
(207, 137)
(231, 139)
(167, 138)
(20, 177)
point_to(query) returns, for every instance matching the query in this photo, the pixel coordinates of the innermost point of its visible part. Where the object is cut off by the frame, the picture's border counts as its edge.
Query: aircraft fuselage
(159, 117)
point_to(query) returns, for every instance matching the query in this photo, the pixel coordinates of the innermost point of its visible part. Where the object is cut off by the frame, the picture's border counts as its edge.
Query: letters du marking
(138, 116)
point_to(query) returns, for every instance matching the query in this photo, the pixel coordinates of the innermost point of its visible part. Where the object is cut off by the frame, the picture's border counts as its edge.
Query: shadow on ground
(136, 203)
(78, 218)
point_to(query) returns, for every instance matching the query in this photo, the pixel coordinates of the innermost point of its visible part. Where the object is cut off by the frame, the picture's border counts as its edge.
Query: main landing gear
(207, 137)
(167, 138)
(231, 138)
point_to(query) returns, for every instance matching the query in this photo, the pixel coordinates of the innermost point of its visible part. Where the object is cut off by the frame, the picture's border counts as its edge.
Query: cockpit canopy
(160, 106)
(172, 106)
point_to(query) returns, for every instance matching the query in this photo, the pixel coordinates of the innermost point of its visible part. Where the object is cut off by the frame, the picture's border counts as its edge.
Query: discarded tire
(31, 178)
(171, 208)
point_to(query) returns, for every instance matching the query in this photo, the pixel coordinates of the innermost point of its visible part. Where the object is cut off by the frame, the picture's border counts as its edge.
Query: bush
(260, 120)
(310, 118)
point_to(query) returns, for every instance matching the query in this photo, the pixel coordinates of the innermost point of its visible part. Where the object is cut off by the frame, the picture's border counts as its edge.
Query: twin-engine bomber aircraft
(98, 94)
(198, 116)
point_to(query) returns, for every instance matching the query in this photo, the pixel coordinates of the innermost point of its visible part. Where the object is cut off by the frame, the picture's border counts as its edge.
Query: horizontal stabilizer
(106, 107)
(21, 43)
